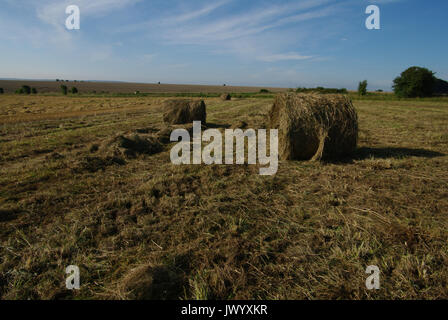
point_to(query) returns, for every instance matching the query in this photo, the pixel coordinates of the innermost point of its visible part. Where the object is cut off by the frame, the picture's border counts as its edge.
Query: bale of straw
(226, 97)
(182, 111)
(313, 126)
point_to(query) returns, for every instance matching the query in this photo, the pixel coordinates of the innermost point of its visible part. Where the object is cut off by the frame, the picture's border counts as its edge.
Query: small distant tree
(415, 82)
(362, 88)
(26, 89)
(264, 91)
(57, 80)
(64, 90)
(34, 91)
(74, 90)
(1, 91)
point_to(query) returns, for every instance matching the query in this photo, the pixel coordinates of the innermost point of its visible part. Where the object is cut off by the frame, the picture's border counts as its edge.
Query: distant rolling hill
(10, 86)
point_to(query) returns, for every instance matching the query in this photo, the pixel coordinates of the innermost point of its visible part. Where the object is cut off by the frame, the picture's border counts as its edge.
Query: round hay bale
(226, 97)
(182, 111)
(313, 126)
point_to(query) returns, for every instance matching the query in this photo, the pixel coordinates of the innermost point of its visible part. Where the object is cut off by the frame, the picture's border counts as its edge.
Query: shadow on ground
(386, 153)
(217, 126)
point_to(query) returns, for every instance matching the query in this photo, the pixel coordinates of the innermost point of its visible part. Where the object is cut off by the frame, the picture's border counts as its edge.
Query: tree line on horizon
(414, 82)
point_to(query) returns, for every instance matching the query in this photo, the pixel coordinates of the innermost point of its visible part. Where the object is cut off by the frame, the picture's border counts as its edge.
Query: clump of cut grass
(138, 145)
(114, 152)
(130, 146)
(164, 135)
(147, 282)
(94, 164)
(137, 283)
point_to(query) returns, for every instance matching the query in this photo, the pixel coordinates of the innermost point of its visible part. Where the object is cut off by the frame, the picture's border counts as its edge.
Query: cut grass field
(143, 228)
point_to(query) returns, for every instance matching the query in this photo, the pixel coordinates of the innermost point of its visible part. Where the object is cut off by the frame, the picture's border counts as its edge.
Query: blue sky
(238, 42)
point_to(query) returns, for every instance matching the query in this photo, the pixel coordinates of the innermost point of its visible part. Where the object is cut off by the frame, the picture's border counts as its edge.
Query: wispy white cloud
(385, 1)
(242, 33)
(242, 25)
(184, 34)
(148, 57)
(283, 57)
(49, 27)
(194, 14)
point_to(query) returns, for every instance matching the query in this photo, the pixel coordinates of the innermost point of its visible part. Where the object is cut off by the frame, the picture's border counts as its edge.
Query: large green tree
(415, 82)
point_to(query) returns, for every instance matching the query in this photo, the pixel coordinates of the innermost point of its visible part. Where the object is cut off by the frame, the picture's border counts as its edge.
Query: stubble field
(141, 228)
